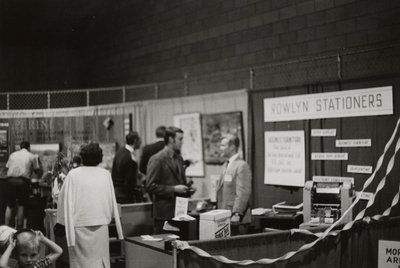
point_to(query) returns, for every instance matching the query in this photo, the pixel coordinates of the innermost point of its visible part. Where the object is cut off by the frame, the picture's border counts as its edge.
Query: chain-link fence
(366, 63)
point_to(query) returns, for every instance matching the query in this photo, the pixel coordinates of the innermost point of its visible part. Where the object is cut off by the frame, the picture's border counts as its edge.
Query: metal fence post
(251, 78)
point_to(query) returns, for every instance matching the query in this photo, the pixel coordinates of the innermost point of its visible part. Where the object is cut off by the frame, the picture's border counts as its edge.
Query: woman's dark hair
(91, 154)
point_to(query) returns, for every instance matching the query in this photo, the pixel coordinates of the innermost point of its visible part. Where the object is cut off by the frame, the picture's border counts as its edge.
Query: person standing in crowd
(20, 166)
(166, 179)
(151, 149)
(3, 200)
(125, 170)
(234, 187)
(25, 244)
(76, 161)
(87, 205)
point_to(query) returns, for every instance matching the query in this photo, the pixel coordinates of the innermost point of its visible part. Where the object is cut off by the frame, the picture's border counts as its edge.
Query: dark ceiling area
(47, 23)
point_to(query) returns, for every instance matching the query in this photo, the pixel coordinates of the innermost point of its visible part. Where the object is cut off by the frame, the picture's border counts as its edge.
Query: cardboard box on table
(215, 224)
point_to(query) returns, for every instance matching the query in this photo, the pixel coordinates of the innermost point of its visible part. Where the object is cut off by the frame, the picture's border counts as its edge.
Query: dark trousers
(158, 227)
(240, 229)
(3, 200)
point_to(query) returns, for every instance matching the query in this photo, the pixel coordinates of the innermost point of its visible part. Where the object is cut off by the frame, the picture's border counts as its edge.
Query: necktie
(225, 167)
(221, 179)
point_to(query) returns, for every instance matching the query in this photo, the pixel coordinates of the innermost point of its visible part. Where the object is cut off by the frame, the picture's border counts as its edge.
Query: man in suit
(151, 149)
(125, 170)
(234, 187)
(166, 178)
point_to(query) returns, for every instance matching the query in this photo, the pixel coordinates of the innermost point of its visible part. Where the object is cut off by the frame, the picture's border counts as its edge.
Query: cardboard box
(215, 224)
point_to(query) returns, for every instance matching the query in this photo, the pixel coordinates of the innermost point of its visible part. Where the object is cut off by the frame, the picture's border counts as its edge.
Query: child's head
(27, 247)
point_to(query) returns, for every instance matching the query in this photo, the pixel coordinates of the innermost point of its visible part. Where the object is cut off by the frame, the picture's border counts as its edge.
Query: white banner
(284, 158)
(349, 103)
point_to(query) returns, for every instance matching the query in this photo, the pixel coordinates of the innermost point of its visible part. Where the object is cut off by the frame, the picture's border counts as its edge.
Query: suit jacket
(124, 174)
(147, 152)
(162, 175)
(234, 189)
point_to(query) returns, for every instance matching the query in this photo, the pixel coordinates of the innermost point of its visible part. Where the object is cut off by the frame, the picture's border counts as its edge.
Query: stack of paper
(260, 211)
(282, 207)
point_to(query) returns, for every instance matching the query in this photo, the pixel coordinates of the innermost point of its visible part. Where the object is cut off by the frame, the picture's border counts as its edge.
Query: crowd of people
(86, 194)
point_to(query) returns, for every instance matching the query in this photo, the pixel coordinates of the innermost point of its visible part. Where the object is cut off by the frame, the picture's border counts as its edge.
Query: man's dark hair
(24, 145)
(91, 154)
(160, 131)
(131, 137)
(171, 132)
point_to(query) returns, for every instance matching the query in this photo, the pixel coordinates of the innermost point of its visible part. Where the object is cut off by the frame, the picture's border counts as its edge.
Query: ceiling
(47, 22)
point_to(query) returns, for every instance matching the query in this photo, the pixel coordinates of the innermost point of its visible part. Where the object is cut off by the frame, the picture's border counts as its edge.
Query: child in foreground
(25, 246)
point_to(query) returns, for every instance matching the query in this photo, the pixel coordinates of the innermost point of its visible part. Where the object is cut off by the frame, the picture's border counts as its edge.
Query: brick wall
(145, 41)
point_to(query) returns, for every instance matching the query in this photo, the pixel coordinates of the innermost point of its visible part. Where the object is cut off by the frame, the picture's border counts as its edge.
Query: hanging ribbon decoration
(183, 245)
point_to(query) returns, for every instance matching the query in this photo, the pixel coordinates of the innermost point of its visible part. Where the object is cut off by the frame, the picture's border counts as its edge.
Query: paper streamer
(183, 245)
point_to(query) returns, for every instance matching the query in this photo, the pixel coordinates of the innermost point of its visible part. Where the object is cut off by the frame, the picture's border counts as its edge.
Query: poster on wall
(215, 126)
(284, 158)
(47, 154)
(192, 148)
(109, 150)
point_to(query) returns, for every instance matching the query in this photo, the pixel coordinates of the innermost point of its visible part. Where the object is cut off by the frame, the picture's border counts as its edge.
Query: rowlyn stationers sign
(349, 103)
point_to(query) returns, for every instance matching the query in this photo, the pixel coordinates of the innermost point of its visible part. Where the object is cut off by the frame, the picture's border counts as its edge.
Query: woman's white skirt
(91, 248)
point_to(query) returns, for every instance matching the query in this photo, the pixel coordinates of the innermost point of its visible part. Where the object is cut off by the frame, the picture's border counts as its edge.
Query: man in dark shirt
(125, 170)
(151, 149)
(166, 178)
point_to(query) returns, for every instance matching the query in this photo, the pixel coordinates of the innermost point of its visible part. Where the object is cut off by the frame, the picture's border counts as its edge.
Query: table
(277, 221)
(147, 254)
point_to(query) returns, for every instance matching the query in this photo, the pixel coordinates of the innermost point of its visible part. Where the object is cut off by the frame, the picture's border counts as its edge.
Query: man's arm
(37, 166)
(144, 160)
(130, 174)
(154, 179)
(243, 188)
(154, 183)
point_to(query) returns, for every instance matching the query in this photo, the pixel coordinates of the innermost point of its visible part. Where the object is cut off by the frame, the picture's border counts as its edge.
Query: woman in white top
(87, 205)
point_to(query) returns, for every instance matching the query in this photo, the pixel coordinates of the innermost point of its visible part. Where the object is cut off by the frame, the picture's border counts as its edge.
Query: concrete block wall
(148, 41)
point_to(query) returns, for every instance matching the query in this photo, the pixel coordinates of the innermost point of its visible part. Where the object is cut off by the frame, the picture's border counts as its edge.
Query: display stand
(277, 221)
(147, 254)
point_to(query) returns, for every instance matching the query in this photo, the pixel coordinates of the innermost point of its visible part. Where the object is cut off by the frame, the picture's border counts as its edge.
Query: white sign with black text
(354, 143)
(348, 103)
(285, 158)
(388, 254)
(329, 156)
(181, 206)
(359, 169)
(323, 132)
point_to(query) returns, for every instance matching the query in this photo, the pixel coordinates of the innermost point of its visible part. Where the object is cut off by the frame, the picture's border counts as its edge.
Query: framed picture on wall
(109, 150)
(47, 154)
(192, 148)
(215, 126)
